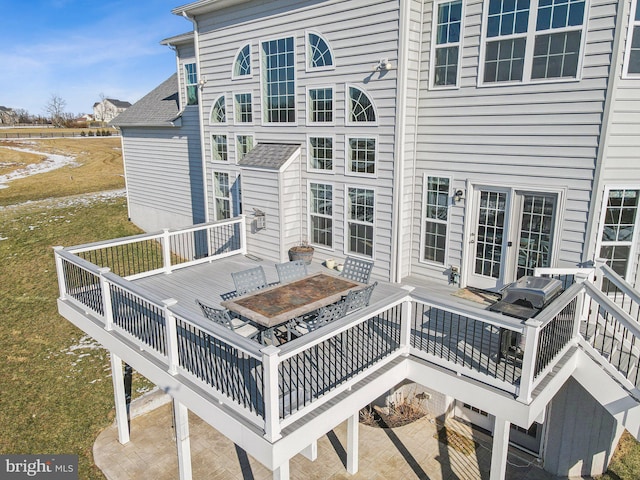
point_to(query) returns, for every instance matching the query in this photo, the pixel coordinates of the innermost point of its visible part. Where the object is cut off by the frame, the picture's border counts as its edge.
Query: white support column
(106, 298)
(166, 251)
(352, 443)
(405, 326)
(500, 449)
(183, 444)
(270, 392)
(311, 452)
(120, 398)
(531, 336)
(172, 335)
(282, 472)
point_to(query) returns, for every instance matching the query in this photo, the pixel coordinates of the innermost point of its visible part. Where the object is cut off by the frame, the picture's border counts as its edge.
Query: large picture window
(278, 70)
(191, 83)
(360, 221)
(517, 49)
(618, 229)
(632, 63)
(447, 33)
(436, 219)
(321, 214)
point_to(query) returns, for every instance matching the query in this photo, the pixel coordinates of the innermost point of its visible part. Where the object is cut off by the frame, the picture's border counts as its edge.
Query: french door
(511, 235)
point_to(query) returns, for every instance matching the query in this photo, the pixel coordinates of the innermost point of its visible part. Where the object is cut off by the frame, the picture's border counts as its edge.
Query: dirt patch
(456, 440)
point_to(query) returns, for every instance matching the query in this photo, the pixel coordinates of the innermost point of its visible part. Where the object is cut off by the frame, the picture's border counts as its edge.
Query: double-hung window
(191, 83)
(632, 63)
(320, 105)
(619, 229)
(278, 81)
(360, 221)
(243, 107)
(447, 31)
(436, 219)
(222, 195)
(244, 144)
(321, 214)
(529, 40)
(321, 153)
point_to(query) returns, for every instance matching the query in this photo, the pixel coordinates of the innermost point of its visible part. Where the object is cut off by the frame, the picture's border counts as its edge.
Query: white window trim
(235, 58)
(185, 77)
(226, 110)
(634, 240)
(333, 163)
(423, 219)
(530, 36)
(307, 59)
(215, 197)
(347, 107)
(235, 109)
(235, 142)
(212, 147)
(332, 217)
(347, 220)
(347, 156)
(308, 105)
(432, 60)
(627, 49)
(263, 110)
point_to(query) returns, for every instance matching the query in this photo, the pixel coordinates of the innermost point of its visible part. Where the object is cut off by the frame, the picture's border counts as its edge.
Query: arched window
(319, 54)
(219, 111)
(361, 108)
(242, 64)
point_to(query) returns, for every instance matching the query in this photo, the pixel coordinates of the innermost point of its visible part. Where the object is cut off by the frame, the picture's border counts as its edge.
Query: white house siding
(164, 175)
(360, 33)
(532, 135)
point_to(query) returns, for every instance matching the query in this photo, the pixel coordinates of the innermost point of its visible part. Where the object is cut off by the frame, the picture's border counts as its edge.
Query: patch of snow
(51, 162)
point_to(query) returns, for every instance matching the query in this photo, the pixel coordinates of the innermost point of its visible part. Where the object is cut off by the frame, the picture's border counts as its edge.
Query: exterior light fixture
(459, 195)
(383, 65)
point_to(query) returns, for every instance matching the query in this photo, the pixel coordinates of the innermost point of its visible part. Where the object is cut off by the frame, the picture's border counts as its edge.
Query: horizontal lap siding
(360, 34)
(527, 136)
(164, 174)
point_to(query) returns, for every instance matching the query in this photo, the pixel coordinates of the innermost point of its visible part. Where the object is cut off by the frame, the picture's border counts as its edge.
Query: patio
(407, 452)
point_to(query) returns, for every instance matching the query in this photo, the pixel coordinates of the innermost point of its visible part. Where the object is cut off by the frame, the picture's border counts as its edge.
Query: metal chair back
(330, 313)
(357, 269)
(249, 280)
(290, 271)
(216, 315)
(357, 299)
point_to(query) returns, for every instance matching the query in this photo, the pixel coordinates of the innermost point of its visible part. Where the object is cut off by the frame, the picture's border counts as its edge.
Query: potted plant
(303, 252)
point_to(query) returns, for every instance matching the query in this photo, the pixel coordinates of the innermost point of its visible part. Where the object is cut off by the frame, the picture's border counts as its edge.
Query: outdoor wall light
(202, 81)
(459, 195)
(382, 65)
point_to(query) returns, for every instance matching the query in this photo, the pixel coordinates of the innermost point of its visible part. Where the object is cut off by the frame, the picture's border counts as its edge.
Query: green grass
(55, 384)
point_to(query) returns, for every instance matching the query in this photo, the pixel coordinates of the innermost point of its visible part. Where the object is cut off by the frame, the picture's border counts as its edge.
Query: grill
(527, 296)
(523, 299)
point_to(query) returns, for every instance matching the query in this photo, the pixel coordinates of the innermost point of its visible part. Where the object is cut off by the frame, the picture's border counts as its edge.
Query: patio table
(278, 304)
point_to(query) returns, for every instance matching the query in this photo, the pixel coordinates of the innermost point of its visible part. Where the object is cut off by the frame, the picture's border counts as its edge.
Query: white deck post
(352, 443)
(183, 444)
(405, 326)
(243, 234)
(531, 335)
(60, 271)
(166, 251)
(172, 335)
(271, 405)
(311, 452)
(106, 299)
(120, 398)
(500, 449)
(282, 472)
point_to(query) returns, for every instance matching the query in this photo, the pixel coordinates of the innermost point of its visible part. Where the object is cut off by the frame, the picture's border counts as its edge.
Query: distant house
(109, 108)
(7, 116)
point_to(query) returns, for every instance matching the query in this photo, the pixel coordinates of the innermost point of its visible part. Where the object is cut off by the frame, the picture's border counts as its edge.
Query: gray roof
(269, 155)
(159, 108)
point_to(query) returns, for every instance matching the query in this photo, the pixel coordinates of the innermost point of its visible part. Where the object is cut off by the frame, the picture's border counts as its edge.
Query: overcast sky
(82, 49)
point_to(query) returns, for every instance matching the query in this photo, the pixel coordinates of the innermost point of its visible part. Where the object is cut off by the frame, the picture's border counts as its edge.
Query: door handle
(509, 244)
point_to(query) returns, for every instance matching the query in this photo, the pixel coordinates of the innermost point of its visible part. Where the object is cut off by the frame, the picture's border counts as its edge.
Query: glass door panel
(489, 238)
(536, 231)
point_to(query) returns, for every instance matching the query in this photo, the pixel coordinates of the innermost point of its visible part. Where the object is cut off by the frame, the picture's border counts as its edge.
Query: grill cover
(533, 292)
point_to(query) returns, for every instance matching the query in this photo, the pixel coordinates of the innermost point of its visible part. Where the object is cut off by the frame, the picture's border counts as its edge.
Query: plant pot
(339, 267)
(301, 252)
(330, 263)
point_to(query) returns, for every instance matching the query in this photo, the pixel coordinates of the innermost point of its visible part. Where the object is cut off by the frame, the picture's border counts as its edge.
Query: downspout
(591, 240)
(124, 167)
(196, 46)
(399, 151)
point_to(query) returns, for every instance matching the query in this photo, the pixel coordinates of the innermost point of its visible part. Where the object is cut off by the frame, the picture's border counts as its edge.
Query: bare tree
(55, 109)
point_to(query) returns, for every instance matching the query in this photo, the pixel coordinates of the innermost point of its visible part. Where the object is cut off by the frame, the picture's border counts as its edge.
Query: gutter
(196, 46)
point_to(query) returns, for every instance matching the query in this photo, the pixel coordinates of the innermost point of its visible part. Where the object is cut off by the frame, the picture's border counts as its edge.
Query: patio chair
(324, 316)
(290, 271)
(357, 299)
(222, 317)
(250, 280)
(357, 269)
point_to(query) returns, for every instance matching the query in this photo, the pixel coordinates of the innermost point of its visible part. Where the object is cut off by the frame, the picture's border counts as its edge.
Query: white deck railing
(273, 387)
